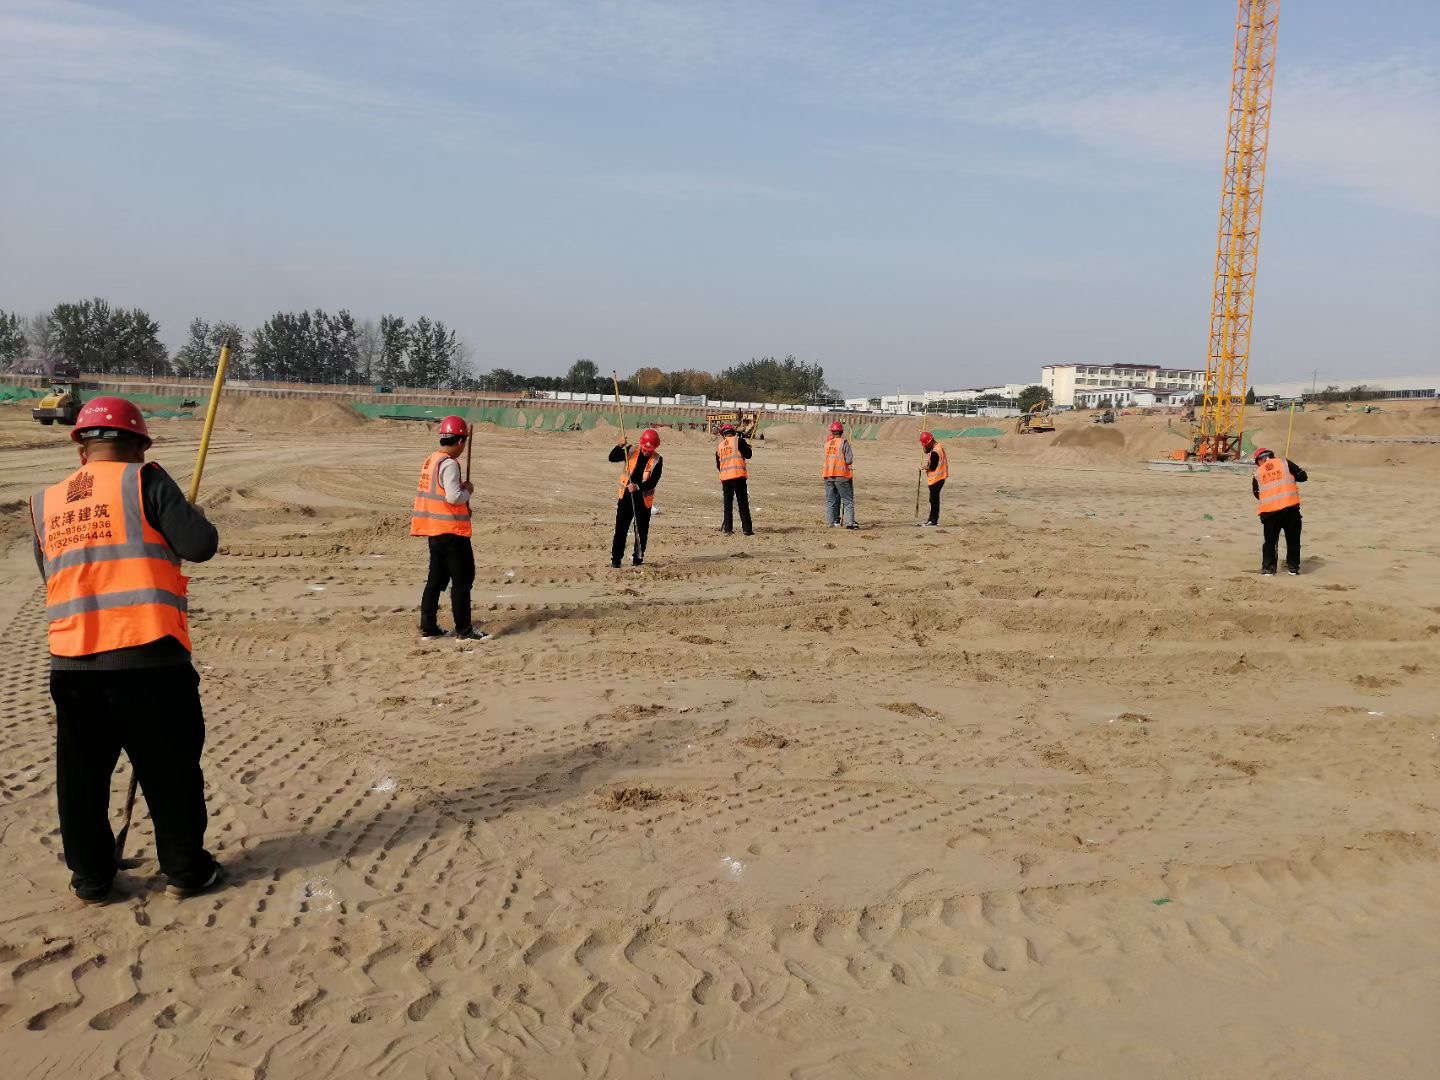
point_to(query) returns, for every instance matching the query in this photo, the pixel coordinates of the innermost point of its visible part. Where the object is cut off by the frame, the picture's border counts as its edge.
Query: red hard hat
(110, 414)
(1261, 451)
(837, 428)
(649, 439)
(727, 429)
(454, 425)
(926, 438)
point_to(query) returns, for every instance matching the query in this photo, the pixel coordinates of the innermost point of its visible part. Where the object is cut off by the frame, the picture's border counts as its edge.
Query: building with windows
(1121, 384)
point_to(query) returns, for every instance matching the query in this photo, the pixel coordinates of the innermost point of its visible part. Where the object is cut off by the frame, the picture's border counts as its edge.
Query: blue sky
(923, 194)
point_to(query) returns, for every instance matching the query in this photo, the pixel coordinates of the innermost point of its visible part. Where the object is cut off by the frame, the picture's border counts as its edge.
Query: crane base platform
(1170, 465)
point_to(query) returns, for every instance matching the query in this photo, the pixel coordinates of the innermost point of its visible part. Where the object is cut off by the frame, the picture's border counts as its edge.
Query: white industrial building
(1082, 384)
(1396, 386)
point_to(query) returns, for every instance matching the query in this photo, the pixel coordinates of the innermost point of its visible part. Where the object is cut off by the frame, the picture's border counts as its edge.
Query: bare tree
(370, 349)
(41, 338)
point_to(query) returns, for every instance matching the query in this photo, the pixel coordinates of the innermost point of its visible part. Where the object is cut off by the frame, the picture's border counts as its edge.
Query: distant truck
(62, 403)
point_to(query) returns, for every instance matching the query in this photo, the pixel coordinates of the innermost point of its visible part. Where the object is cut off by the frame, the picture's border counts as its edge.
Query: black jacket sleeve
(649, 485)
(185, 529)
(617, 453)
(745, 450)
(934, 461)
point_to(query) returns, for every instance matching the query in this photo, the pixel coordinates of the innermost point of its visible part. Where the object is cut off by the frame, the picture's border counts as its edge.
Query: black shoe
(637, 562)
(615, 564)
(94, 894)
(432, 632)
(184, 892)
(728, 532)
(749, 532)
(472, 634)
(1294, 571)
(852, 526)
(929, 524)
(1267, 571)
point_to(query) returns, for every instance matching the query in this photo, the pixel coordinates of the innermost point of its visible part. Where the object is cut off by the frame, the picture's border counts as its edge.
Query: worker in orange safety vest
(636, 498)
(108, 541)
(730, 458)
(441, 513)
(839, 475)
(937, 471)
(1275, 485)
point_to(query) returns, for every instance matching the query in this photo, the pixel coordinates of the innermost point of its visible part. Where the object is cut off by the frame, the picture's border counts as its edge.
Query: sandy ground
(1063, 788)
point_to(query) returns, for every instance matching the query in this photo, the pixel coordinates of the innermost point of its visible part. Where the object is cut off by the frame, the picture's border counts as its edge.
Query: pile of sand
(249, 413)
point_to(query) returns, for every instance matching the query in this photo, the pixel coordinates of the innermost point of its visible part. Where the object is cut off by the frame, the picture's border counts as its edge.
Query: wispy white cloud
(57, 55)
(1104, 95)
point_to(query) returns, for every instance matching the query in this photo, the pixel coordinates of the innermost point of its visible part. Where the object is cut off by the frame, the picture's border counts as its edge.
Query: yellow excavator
(62, 403)
(1038, 419)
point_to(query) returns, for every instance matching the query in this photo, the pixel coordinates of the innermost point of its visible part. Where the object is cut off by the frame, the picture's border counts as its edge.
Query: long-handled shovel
(638, 552)
(210, 410)
(919, 480)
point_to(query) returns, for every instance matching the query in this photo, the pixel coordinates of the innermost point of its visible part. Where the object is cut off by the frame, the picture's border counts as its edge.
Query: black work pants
(736, 491)
(1288, 521)
(154, 715)
(630, 506)
(935, 501)
(452, 563)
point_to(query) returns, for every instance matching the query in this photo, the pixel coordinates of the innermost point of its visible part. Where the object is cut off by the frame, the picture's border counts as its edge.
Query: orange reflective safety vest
(1278, 490)
(732, 465)
(836, 467)
(941, 471)
(630, 471)
(432, 515)
(111, 580)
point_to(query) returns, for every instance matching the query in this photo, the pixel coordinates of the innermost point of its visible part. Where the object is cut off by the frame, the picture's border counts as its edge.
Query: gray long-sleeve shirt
(189, 535)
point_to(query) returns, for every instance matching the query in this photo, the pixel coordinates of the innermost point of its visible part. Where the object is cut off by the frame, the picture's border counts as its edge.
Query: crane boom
(1227, 366)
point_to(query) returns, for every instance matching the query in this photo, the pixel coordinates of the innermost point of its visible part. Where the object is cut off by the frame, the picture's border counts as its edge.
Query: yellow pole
(1288, 430)
(210, 410)
(619, 408)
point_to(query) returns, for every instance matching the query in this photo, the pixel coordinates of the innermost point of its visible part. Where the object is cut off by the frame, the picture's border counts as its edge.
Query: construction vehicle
(1038, 419)
(746, 424)
(1106, 417)
(62, 403)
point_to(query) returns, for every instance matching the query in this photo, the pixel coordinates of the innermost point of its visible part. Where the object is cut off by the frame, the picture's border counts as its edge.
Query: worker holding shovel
(109, 540)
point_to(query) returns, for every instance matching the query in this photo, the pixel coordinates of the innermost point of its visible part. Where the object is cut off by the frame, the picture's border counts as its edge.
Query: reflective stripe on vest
(836, 467)
(941, 471)
(732, 464)
(431, 514)
(630, 471)
(1278, 490)
(111, 580)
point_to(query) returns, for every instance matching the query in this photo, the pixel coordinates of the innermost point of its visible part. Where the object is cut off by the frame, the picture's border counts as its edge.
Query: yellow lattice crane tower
(1227, 368)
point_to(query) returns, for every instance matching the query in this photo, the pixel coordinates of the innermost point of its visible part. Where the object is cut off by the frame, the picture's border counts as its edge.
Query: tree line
(323, 347)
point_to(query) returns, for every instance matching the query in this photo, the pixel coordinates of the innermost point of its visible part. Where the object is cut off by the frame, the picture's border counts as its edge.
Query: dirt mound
(794, 434)
(1094, 437)
(286, 414)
